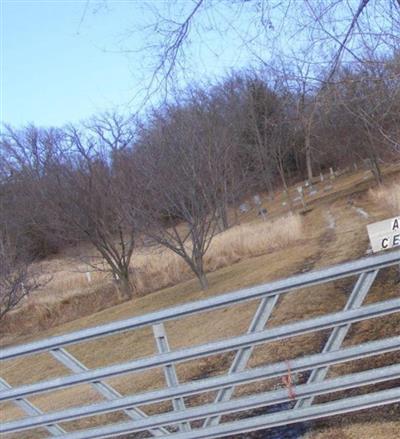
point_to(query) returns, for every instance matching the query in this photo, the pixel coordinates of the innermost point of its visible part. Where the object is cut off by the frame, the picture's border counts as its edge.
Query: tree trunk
(285, 186)
(203, 280)
(198, 268)
(195, 262)
(223, 223)
(283, 177)
(124, 284)
(376, 170)
(308, 157)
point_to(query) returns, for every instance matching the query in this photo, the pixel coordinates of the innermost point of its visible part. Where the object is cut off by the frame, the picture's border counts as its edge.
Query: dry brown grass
(318, 247)
(70, 295)
(388, 197)
(163, 268)
(253, 239)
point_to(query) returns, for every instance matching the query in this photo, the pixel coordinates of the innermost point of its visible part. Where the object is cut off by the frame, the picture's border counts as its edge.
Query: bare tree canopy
(319, 32)
(73, 183)
(17, 277)
(184, 174)
(321, 89)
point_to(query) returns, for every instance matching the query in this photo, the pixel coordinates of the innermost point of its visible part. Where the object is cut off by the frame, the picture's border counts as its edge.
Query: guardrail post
(69, 361)
(242, 356)
(169, 371)
(338, 334)
(30, 409)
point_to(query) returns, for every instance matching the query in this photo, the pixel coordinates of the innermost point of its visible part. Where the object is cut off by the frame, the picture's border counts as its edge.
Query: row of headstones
(262, 211)
(307, 189)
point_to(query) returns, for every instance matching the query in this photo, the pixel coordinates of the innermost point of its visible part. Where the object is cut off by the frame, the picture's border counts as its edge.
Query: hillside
(333, 230)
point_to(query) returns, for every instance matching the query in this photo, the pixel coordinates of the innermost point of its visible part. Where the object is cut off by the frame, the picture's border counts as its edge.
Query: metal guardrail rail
(177, 423)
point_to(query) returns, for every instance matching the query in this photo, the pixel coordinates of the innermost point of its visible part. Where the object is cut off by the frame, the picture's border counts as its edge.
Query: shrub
(388, 197)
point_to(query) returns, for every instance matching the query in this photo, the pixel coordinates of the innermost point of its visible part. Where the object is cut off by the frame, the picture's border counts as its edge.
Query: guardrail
(178, 423)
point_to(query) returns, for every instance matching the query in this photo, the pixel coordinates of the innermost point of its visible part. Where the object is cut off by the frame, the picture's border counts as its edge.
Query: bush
(388, 197)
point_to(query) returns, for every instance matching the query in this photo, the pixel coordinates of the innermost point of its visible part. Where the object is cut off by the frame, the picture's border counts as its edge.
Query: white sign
(384, 234)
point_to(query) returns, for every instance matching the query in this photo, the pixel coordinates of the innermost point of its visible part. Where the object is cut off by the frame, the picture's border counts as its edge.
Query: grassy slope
(320, 246)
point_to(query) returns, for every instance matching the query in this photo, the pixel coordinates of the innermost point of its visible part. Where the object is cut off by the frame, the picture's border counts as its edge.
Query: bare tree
(79, 191)
(261, 104)
(87, 202)
(17, 279)
(339, 28)
(368, 98)
(112, 130)
(178, 177)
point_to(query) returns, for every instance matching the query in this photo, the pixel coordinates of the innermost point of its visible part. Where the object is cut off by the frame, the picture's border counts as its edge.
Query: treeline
(169, 177)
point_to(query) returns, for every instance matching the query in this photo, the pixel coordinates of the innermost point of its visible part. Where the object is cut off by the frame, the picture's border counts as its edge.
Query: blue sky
(54, 67)
(62, 61)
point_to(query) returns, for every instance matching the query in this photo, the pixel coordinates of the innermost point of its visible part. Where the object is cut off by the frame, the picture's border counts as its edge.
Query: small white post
(89, 276)
(321, 176)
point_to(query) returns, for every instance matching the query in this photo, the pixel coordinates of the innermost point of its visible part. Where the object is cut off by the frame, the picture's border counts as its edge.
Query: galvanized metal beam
(269, 289)
(171, 376)
(32, 410)
(69, 361)
(243, 355)
(337, 336)
(194, 387)
(284, 417)
(276, 333)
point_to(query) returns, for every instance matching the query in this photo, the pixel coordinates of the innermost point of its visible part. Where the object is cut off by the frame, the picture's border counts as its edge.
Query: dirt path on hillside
(345, 238)
(351, 242)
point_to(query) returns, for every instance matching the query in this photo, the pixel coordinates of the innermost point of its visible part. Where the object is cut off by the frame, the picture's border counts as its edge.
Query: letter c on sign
(385, 243)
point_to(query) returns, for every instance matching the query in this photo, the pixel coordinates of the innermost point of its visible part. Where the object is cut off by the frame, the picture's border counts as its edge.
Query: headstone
(257, 200)
(332, 173)
(313, 192)
(88, 276)
(263, 213)
(321, 176)
(300, 191)
(244, 208)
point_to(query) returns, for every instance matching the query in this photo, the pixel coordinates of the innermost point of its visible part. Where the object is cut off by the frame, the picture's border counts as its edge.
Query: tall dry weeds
(252, 239)
(388, 197)
(164, 268)
(70, 295)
